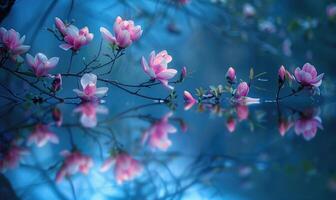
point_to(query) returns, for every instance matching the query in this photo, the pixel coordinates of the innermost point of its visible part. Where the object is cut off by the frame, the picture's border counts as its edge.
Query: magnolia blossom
(307, 125)
(184, 72)
(283, 73)
(75, 38)
(158, 133)
(89, 113)
(41, 136)
(90, 90)
(248, 10)
(13, 43)
(74, 162)
(231, 75)
(57, 83)
(41, 64)
(126, 168)
(240, 95)
(125, 33)
(331, 10)
(307, 76)
(11, 158)
(189, 100)
(231, 124)
(158, 67)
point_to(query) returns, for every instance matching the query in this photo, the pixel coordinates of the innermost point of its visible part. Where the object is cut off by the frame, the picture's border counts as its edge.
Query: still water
(129, 147)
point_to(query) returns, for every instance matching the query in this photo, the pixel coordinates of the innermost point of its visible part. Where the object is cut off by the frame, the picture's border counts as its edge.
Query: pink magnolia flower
(158, 133)
(62, 28)
(307, 76)
(284, 126)
(11, 158)
(41, 64)
(307, 125)
(158, 67)
(89, 113)
(331, 10)
(57, 83)
(75, 38)
(125, 33)
(282, 73)
(240, 95)
(41, 136)
(184, 72)
(126, 168)
(13, 43)
(231, 124)
(231, 75)
(242, 112)
(248, 10)
(90, 91)
(242, 90)
(189, 100)
(74, 162)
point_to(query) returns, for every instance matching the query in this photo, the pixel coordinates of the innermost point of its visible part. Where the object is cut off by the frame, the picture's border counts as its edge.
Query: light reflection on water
(264, 151)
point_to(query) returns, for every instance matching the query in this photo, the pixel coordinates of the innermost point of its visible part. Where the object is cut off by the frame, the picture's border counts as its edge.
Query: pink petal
(106, 34)
(166, 74)
(65, 46)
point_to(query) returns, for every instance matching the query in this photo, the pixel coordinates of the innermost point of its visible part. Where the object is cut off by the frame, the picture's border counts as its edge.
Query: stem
(292, 94)
(32, 84)
(278, 92)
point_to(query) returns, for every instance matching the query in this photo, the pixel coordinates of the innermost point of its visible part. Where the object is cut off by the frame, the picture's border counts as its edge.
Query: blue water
(205, 160)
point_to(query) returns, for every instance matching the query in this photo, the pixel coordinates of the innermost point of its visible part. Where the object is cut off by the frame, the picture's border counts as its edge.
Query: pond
(167, 99)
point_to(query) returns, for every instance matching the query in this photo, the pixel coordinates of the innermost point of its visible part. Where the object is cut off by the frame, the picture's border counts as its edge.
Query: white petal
(100, 92)
(88, 79)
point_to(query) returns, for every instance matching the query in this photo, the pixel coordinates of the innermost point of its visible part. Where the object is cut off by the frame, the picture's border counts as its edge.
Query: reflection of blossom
(284, 126)
(242, 112)
(89, 112)
(90, 90)
(307, 126)
(126, 167)
(11, 158)
(41, 136)
(158, 133)
(189, 100)
(74, 162)
(231, 124)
